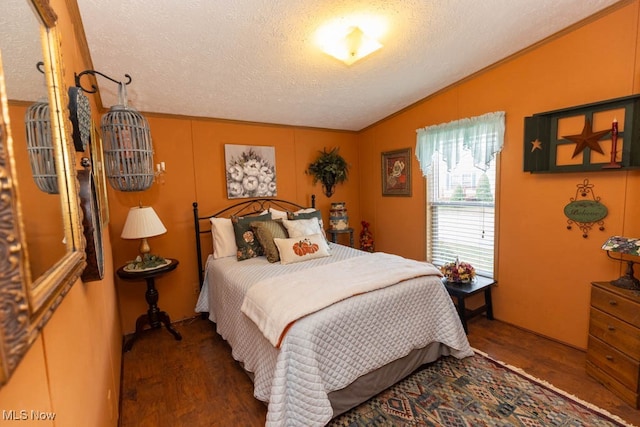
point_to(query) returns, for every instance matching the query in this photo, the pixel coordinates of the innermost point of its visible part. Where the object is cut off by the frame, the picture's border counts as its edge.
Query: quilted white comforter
(327, 350)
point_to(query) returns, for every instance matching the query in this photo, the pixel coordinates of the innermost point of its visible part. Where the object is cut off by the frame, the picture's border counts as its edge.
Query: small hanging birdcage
(128, 150)
(40, 147)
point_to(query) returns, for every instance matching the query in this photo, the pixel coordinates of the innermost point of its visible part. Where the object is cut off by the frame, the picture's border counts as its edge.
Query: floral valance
(483, 136)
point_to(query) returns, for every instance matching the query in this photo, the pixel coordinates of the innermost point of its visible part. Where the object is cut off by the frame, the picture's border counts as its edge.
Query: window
(459, 161)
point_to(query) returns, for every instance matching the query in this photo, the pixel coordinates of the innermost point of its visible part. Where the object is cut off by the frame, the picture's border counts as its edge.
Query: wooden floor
(195, 382)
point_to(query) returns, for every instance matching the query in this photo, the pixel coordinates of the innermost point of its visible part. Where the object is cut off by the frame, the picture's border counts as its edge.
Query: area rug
(476, 391)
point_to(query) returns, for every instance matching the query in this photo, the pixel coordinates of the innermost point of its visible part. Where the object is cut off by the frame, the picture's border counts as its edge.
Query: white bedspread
(275, 303)
(329, 349)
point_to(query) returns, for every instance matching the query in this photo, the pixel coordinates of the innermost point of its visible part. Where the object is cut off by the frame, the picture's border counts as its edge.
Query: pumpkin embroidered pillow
(303, 248)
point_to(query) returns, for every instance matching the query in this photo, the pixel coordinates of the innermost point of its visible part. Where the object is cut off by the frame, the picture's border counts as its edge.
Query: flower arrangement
(250, 175)
(457, 271)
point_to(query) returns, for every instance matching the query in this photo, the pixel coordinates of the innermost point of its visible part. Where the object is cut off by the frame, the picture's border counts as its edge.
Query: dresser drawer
(629, 396)
(616, 305)
(614, 363)
(615, 332)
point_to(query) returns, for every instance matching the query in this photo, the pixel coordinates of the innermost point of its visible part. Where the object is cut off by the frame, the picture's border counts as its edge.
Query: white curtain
(483, 136)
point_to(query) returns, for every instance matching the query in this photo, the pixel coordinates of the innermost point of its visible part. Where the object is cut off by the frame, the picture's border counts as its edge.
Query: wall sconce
(160, 172)
(40, 144)
(624, 246)
(126, 137)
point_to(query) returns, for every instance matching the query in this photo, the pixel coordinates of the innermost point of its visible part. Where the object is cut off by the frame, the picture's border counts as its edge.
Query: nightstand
(333, 234)
(464, 290)
(154, 317)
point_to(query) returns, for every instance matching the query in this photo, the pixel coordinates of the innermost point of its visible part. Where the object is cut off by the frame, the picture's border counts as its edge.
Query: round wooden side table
(154, 317)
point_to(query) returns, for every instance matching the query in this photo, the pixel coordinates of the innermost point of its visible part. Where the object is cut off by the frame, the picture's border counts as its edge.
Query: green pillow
(246, 241)
(266, 231)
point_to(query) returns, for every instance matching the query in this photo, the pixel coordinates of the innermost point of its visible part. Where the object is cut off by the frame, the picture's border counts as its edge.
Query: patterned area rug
(476, 391)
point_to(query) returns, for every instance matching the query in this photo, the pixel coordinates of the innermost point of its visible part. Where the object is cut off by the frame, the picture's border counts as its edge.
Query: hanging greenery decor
(330, 168)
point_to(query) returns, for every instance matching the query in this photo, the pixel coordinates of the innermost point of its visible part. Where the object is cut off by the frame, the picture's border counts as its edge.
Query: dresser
(613, 349)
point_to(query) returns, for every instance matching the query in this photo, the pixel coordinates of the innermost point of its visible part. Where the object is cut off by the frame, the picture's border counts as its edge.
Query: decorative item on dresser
(613, 351)
(624, 246)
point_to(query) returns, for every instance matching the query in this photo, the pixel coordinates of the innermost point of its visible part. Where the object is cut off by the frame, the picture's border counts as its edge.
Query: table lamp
(624, 246)
(142, 222)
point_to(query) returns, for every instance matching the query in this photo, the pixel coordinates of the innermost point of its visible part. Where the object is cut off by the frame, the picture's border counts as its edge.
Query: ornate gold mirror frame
(27, 303)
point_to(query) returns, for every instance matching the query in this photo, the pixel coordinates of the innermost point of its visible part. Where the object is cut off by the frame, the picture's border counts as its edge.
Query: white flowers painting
(251, 171)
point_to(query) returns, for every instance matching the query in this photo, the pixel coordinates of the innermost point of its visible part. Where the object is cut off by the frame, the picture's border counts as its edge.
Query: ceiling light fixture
(350, 46)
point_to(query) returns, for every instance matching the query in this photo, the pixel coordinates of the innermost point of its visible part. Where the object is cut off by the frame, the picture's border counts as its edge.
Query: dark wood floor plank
(195, 382)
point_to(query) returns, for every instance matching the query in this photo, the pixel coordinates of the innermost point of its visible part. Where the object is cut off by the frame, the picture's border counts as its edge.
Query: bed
(317, 364)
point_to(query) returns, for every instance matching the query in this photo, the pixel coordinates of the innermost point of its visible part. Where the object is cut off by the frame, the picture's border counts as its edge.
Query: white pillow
(276, 214)
(302, 227)
(301, 248)
(224, 238)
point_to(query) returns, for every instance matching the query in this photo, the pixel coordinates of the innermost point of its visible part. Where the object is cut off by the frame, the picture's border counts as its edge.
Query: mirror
(41, 244)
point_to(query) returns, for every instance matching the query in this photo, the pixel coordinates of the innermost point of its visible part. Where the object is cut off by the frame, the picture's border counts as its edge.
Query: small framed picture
(396, 173)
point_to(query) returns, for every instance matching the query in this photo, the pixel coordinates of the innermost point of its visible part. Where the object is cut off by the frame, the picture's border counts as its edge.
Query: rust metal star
(588, 138)
(536, 145)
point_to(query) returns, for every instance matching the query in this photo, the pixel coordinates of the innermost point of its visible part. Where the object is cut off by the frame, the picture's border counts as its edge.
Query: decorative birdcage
(128, 150)
(40, 147)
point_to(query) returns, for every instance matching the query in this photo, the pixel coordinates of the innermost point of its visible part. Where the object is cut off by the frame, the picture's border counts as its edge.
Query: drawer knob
(609, 358)
(611, 327)
(613, 302)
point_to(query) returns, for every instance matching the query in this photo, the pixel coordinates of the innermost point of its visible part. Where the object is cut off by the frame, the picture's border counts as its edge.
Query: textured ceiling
(257, 60)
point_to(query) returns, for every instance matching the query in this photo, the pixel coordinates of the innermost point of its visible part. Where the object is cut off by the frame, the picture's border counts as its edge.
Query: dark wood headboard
(247, 207)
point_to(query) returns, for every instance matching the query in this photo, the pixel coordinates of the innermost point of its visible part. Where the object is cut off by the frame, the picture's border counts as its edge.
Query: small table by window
(463, 290)
(154, 317)
(333, 234)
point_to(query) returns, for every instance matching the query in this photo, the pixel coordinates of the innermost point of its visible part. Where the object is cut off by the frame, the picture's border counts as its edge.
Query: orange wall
(73, 368)
(193, 152)
(544, 270)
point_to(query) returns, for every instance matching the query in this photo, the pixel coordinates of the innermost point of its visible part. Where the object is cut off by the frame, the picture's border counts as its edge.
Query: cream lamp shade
(142, 222)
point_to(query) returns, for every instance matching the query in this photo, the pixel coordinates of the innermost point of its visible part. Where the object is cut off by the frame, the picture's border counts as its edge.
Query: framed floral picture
(251, 171)
(396, 173)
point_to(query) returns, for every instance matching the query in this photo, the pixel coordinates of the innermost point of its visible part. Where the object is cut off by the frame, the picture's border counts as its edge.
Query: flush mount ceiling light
(348, 44)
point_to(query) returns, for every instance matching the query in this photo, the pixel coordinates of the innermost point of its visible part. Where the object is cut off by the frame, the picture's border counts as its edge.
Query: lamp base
(144, 247)
(628, 281)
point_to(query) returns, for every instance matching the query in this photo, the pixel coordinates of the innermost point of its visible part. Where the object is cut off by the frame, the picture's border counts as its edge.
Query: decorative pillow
(276, 214)
(266, 231)
(224, 239)
(302, 227)
(248, 245)
(302, 248)
(308, 214)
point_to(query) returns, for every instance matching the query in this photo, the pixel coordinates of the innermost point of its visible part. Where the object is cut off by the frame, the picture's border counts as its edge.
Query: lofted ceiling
(258, 61)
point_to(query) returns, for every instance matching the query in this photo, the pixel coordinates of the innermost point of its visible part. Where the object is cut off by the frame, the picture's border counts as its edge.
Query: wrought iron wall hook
(94, 89)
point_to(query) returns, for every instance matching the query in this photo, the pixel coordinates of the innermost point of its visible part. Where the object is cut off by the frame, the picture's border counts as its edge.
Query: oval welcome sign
(585, 211)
